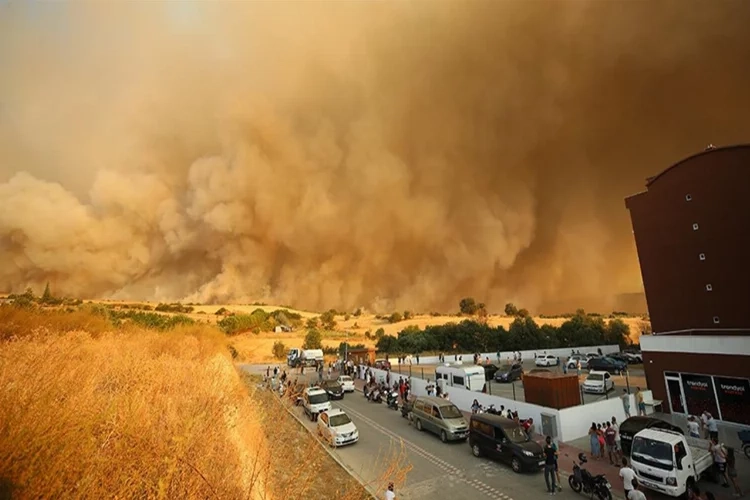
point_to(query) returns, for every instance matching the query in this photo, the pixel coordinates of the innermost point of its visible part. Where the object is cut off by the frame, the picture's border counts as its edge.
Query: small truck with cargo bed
(669, 462)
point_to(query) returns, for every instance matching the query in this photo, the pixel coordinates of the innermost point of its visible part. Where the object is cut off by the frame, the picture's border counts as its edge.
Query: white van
(465, 377)
(314, 402)
(598, 382)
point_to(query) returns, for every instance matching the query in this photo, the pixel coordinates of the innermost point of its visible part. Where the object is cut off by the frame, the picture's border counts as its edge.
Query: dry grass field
(90, 411)
(257, 348)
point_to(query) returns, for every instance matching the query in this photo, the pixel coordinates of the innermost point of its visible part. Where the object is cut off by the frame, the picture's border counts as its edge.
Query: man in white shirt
(389, 493)
(636, 494)
(628, 477)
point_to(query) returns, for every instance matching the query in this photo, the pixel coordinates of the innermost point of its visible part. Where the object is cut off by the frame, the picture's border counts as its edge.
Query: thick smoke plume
(344, 154)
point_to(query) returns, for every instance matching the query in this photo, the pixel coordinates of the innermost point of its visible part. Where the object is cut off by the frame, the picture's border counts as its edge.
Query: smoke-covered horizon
(345, 154)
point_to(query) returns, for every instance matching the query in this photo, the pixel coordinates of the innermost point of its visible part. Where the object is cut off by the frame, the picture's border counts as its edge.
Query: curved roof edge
(706, 151)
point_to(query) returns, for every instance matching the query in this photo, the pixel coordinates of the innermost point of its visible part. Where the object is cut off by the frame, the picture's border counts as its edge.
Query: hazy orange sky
(344, 154)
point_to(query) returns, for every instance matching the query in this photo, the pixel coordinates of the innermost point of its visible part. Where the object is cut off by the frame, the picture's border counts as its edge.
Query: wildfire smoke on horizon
(344, 154)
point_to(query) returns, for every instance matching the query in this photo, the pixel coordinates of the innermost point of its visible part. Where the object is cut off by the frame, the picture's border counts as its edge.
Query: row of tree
(524, 333)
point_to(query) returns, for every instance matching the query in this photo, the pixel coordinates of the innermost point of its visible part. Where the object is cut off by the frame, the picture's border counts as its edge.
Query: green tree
(328, 320)
(523, 313)
(617, 332)
(388, 344)
(313, 340)
(312, 323)
(408, 315)
(279, 350)
(379, 333)
(511, 310)
(220, 311)
(468, 306)
(395, 317)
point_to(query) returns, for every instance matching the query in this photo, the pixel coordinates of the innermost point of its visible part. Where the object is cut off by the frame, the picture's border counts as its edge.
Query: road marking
(438, 462)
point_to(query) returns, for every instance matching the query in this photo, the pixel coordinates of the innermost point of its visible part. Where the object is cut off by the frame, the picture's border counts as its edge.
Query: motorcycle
(375, 396)
(581, 479)
(492, 411)
(392, 400)
(745, 438)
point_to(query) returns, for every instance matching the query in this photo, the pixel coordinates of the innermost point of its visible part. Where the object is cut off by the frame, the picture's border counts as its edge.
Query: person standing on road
(626, 402)
(628, 477)
(550, 457)
(610, 438)
(640, 402)
(636, 493)
(389, 493)
(719, 453)
(557, 468)
(694, 428)
(713, 428)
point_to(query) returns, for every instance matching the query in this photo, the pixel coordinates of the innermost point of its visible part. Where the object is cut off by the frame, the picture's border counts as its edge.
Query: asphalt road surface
(438, 470)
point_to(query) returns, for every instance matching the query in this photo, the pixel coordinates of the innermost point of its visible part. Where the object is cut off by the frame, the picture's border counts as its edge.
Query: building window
(695, 226)
(716, 320)
(688, 197)
(702, 256)
(709, 288)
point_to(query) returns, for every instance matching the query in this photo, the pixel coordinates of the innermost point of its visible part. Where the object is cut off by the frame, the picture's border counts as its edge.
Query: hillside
(96, 407)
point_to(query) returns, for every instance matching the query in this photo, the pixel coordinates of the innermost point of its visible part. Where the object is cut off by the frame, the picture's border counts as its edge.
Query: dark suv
(333, 389)
(607, 364)
(502, 439)
(633, 425)
(509, 373)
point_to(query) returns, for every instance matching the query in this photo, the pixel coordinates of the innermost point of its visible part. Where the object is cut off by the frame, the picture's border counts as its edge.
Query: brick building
(692, 233)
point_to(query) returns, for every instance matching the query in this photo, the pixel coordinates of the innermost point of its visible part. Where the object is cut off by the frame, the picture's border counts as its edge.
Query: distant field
(256, 348)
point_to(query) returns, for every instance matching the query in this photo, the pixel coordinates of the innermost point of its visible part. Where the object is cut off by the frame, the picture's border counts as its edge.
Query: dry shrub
(23, 321)
(130, 414)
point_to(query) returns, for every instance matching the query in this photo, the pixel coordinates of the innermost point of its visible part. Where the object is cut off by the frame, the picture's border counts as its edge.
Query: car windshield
(318, 398)
(652, 453)
(516, 434)
(333, 386)
(595, 376)
(345, 379)
(505, 368)
(340, 419)
(450, 412)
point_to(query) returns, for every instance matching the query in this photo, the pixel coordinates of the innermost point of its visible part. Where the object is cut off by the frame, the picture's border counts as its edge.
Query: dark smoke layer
(346, 154)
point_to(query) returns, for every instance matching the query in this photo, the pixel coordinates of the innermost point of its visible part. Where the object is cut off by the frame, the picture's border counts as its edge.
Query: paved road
(438, 470)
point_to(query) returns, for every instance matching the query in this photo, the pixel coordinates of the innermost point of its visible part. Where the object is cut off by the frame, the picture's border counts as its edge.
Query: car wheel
(476, 451)
(515, 464)
(419, 425)
(443, 437)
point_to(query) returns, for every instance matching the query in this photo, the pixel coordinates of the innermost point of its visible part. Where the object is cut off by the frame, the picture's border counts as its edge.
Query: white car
(547, 360)
(633, 357)
(598, 382)
(336, 428)
(314, 402)
(346, 382)
(572, 363)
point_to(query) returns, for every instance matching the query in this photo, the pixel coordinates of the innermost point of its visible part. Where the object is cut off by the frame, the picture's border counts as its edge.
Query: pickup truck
(668, 462)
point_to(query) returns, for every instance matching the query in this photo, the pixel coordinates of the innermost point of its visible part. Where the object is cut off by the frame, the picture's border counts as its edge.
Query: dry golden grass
(133, 413)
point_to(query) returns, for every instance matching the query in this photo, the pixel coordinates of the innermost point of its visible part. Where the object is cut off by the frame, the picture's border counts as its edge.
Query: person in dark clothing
(550, 458)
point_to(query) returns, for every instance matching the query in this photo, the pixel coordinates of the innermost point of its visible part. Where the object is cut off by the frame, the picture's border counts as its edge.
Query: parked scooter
(745, 438)
(581, 479)
(375, 396)
(392, 400)
(491, 410)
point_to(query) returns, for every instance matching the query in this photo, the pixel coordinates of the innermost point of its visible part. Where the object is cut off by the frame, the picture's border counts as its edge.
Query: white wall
(504, 355)
(572, 423)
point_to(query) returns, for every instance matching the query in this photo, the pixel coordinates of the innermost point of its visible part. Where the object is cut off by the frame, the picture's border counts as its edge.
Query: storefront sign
(734, 399)
(699, 394)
